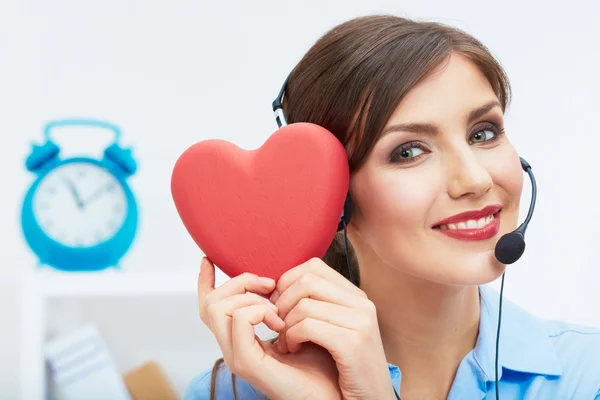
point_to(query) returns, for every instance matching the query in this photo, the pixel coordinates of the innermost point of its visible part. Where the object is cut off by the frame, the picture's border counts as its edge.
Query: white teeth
(470, 224)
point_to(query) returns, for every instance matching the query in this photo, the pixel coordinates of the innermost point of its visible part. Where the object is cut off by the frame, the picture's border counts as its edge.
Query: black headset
(509, 248)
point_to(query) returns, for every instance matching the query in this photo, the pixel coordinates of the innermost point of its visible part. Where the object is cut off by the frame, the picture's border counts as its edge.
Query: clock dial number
(80, 204)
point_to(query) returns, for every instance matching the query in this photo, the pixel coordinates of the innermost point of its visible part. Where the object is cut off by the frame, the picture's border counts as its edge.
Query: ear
(351, 211)
(351, 229)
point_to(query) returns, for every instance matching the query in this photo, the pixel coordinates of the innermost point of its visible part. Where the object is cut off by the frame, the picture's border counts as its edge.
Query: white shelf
(45, 284)
(113, 283)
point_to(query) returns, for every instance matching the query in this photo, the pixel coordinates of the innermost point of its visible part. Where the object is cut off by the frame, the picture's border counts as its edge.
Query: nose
(467, 176)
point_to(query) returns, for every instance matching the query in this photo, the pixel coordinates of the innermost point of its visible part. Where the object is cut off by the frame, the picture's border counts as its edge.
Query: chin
(480, 269)
(466, 270)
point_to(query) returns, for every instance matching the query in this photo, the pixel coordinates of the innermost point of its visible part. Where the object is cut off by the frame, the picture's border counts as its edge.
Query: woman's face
(444, 154)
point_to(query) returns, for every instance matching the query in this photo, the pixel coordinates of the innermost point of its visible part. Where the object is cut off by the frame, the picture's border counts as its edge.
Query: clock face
(80, 204)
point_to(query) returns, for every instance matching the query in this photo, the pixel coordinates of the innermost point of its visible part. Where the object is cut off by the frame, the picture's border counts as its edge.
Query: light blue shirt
(538, 360)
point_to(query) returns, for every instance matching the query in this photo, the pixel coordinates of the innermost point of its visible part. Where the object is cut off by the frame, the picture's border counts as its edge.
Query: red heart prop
(266, 210)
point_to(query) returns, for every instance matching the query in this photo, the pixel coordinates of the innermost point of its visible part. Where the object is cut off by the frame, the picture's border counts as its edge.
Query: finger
(313, 286)
(317, 267)
(229, 304)
(206, 277)
(311, 308)
(240, 284)
(246, 350)
(206, 284)
(334, 314)
(220, 313)
(243, 322)
(318, 332)
(281, 342)
(246, 282)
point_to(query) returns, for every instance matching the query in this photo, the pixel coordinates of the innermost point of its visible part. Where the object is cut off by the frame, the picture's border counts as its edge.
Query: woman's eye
(407, 154)
(410, 153)
(482, 136)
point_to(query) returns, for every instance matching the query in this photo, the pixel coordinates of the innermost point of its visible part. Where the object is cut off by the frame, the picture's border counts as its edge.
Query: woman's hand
(232, 310)
(319, 305)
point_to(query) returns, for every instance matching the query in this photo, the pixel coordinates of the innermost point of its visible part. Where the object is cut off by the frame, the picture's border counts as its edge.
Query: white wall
(166, 71)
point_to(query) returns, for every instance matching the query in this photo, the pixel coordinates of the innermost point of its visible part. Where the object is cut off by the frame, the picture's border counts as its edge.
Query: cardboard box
(148, 382)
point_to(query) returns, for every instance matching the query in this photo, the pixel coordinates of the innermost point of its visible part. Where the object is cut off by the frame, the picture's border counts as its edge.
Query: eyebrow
(432, 129)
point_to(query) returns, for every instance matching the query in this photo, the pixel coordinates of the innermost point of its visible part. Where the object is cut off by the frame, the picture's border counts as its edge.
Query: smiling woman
(458, 165)
(435, 184)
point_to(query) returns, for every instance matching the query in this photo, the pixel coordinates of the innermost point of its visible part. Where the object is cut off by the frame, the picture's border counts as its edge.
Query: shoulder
(578, 352)
(199, 387)
(577, 346)
(564, 356)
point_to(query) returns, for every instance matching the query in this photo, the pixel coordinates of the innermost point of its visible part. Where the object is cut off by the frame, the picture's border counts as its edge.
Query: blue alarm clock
(80, 214)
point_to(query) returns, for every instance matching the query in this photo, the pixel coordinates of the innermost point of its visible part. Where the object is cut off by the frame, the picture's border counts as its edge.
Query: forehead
(452, 89)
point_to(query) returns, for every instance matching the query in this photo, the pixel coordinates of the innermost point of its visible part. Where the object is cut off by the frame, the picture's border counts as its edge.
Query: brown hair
(353, 78)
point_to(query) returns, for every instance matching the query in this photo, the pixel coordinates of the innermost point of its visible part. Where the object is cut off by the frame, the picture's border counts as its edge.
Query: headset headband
(277, 104)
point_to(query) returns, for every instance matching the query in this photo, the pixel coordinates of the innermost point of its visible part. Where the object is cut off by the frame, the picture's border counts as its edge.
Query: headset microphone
(508, 250)
(511, 246)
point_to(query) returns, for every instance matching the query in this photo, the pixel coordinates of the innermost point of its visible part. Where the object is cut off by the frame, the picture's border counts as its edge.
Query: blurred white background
(175, 72)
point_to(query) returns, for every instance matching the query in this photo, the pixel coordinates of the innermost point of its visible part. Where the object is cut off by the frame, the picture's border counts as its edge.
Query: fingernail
(274, 296)
(266, 281)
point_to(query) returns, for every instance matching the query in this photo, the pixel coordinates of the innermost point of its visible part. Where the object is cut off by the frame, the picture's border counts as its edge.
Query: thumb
(206, 277)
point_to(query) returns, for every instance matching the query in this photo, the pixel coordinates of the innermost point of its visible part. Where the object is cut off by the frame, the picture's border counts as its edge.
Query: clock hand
(98, 193)
(74, 192)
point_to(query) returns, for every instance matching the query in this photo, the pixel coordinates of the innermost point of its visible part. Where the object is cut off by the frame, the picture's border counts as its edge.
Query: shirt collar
(524, 343)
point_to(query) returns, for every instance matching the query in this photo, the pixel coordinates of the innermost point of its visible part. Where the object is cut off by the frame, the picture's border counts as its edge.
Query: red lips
(486, 232)
(484, 212)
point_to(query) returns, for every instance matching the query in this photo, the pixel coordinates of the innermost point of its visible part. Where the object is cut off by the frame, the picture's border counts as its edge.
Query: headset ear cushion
(347, 215)
(40, 155)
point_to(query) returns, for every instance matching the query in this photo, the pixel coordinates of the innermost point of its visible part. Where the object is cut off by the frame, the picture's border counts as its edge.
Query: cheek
(506, 172)
(395, 199)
